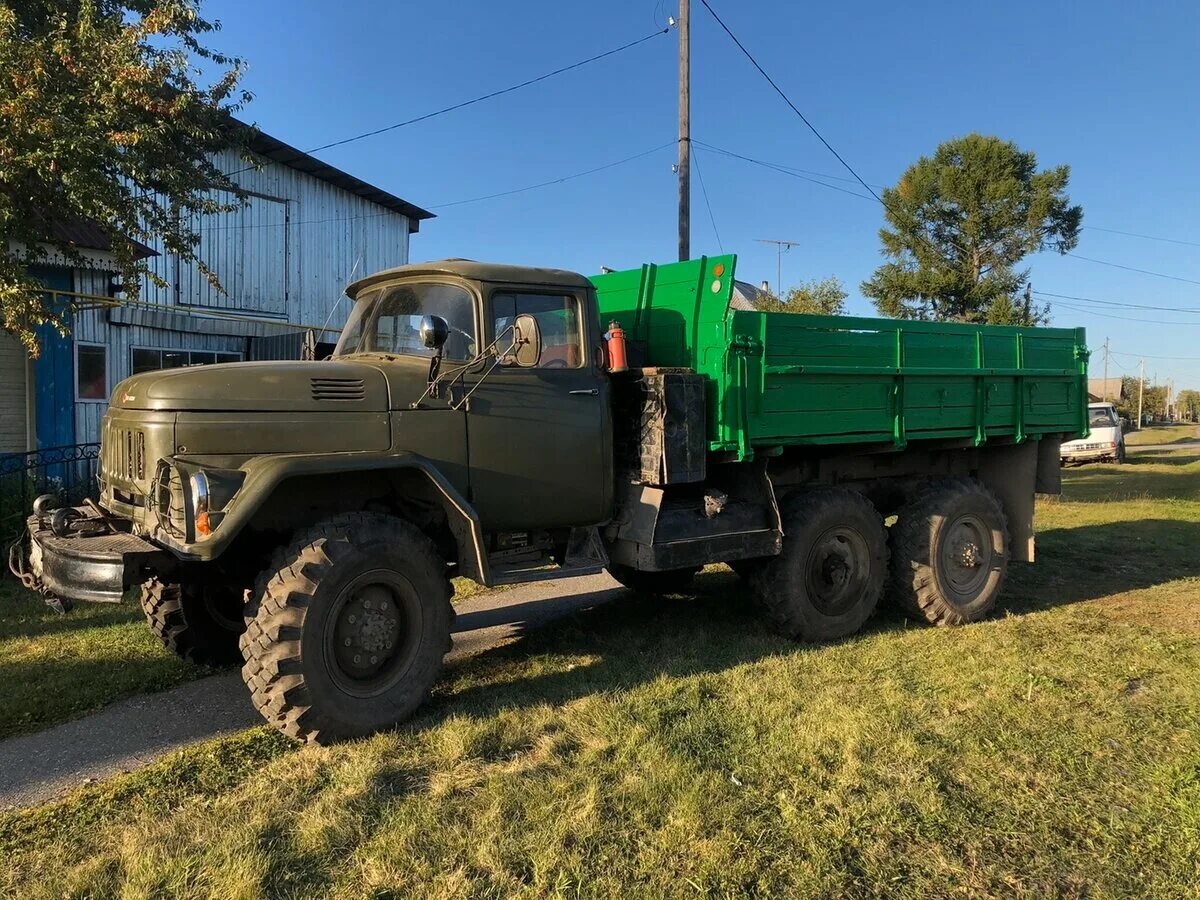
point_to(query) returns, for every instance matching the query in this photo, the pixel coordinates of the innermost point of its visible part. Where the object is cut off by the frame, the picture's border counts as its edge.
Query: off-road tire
(189, 622)
(673, 581)
(823, 526)
(291, 668)
(922, 571)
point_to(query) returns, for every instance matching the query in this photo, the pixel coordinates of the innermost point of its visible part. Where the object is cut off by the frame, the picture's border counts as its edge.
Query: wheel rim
(225, 607)
(837, 570)
(374, 633)
(966, 556)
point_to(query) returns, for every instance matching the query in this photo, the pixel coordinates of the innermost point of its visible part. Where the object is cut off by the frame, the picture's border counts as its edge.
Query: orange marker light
(203, 526)
(719, 269)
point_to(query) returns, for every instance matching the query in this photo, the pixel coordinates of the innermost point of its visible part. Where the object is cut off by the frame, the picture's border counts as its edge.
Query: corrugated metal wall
(292, 259)
(287, 256)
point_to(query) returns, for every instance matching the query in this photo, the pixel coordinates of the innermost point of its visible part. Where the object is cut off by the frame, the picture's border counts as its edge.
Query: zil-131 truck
(305, 519)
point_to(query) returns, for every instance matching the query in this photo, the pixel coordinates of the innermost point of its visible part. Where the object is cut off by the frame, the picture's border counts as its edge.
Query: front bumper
(1093, 452)
(97, 568)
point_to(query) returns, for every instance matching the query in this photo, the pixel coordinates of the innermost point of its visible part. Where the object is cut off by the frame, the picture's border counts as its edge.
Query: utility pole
(1141, 386)
(781, 247)
(685, 133)
(1105, 369)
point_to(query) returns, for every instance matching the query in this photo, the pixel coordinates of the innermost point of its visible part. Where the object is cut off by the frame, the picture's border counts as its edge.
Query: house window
(145, 359)
(91, 372)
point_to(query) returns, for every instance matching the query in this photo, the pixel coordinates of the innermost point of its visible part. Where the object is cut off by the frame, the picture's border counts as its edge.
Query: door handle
(585, 392)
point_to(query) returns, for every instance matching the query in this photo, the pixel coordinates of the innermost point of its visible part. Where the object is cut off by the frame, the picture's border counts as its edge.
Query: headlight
(211, 491)
(199, 486)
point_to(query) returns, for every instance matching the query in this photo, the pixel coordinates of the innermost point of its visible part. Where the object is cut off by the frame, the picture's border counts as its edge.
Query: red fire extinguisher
(616, 348)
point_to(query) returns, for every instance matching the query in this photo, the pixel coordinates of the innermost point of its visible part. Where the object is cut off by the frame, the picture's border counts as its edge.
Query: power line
(1093, 312)
(851, 169)
(787, 100)
(1148, 237)
(1149, 356)
(542, 184)
(783, 170)
(488, 96)
(331, 219)
(1118, 303)
(713, 147)
(707, 204)
(1132, 268)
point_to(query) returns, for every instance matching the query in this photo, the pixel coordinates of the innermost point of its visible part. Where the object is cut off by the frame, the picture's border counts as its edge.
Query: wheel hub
(837, 570)
(966, 556)
(367, 631)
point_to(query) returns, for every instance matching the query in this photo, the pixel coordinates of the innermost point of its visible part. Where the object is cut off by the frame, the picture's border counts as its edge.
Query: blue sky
(1111, 88)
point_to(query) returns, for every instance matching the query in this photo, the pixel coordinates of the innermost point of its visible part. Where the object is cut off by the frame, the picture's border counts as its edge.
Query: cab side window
(558, 317)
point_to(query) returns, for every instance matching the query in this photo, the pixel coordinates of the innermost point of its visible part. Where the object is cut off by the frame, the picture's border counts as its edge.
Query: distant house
(746, 296)
(284, 260)
(1106, 389)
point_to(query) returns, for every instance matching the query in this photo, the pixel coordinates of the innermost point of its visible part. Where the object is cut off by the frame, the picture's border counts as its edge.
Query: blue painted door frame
(54, 370)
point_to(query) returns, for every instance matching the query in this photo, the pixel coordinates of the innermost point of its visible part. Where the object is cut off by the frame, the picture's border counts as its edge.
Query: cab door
(539, 438)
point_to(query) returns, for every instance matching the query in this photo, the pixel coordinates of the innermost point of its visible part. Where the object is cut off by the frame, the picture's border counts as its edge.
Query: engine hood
(259, 386)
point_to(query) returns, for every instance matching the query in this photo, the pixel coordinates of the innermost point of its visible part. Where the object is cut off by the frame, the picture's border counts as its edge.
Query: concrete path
(128, 734)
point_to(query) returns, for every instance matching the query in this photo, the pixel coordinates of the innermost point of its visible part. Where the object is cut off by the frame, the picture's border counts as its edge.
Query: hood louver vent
(338, 389)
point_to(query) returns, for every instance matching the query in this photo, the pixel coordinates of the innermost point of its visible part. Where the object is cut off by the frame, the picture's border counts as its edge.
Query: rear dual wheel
(672, 581)
(949, 553)
(827, 579)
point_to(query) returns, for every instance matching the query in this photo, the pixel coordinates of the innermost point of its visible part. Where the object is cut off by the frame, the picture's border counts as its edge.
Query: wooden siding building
(283, 260)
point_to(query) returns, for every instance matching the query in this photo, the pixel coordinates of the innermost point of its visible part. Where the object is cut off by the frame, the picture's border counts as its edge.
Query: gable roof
(286, 155)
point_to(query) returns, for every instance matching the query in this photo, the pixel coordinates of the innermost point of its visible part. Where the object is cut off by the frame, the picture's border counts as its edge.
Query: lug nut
(357, 658)
(348, 642)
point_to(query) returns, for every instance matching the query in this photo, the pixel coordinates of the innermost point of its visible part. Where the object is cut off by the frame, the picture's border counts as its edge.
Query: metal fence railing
(67, 472)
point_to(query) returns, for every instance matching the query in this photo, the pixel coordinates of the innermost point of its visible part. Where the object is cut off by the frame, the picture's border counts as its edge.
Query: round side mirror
(434, 331)
(527, 338)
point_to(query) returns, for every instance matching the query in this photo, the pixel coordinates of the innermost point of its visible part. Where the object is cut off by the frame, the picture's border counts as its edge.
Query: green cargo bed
(782, 379)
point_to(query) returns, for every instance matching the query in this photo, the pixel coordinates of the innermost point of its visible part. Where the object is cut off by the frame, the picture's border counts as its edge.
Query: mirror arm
(437, 376)
(482, 378)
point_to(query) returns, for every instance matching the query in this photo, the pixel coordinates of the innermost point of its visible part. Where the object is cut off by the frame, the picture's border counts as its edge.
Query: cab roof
(476, 271)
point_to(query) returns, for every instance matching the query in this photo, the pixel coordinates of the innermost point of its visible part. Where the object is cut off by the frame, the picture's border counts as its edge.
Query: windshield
(389, 321)
(1102, 417)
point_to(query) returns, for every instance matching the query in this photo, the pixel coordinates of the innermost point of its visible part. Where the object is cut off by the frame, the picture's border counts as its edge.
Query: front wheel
(197, 622)
(347, 637)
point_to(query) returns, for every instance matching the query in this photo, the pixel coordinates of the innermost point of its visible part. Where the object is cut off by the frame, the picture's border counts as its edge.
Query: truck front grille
(124, 454)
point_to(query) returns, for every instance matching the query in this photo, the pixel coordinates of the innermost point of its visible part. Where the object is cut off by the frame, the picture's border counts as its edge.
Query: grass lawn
(55, 667)
(676, 748)
(1163, 434)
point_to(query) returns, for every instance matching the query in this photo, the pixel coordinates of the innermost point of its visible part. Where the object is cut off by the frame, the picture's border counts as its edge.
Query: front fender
(265, 474)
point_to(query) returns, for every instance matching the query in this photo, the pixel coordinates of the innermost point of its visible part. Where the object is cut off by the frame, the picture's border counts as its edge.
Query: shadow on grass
(1093, 561)
(636, 638)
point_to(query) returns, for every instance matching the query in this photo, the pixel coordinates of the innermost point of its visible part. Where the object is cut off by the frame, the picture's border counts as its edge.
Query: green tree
(960, 222)
(106, 121)
(1188, 405)
(820, 296)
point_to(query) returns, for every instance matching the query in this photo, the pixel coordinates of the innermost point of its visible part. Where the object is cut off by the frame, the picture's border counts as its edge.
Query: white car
(1105, 443)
